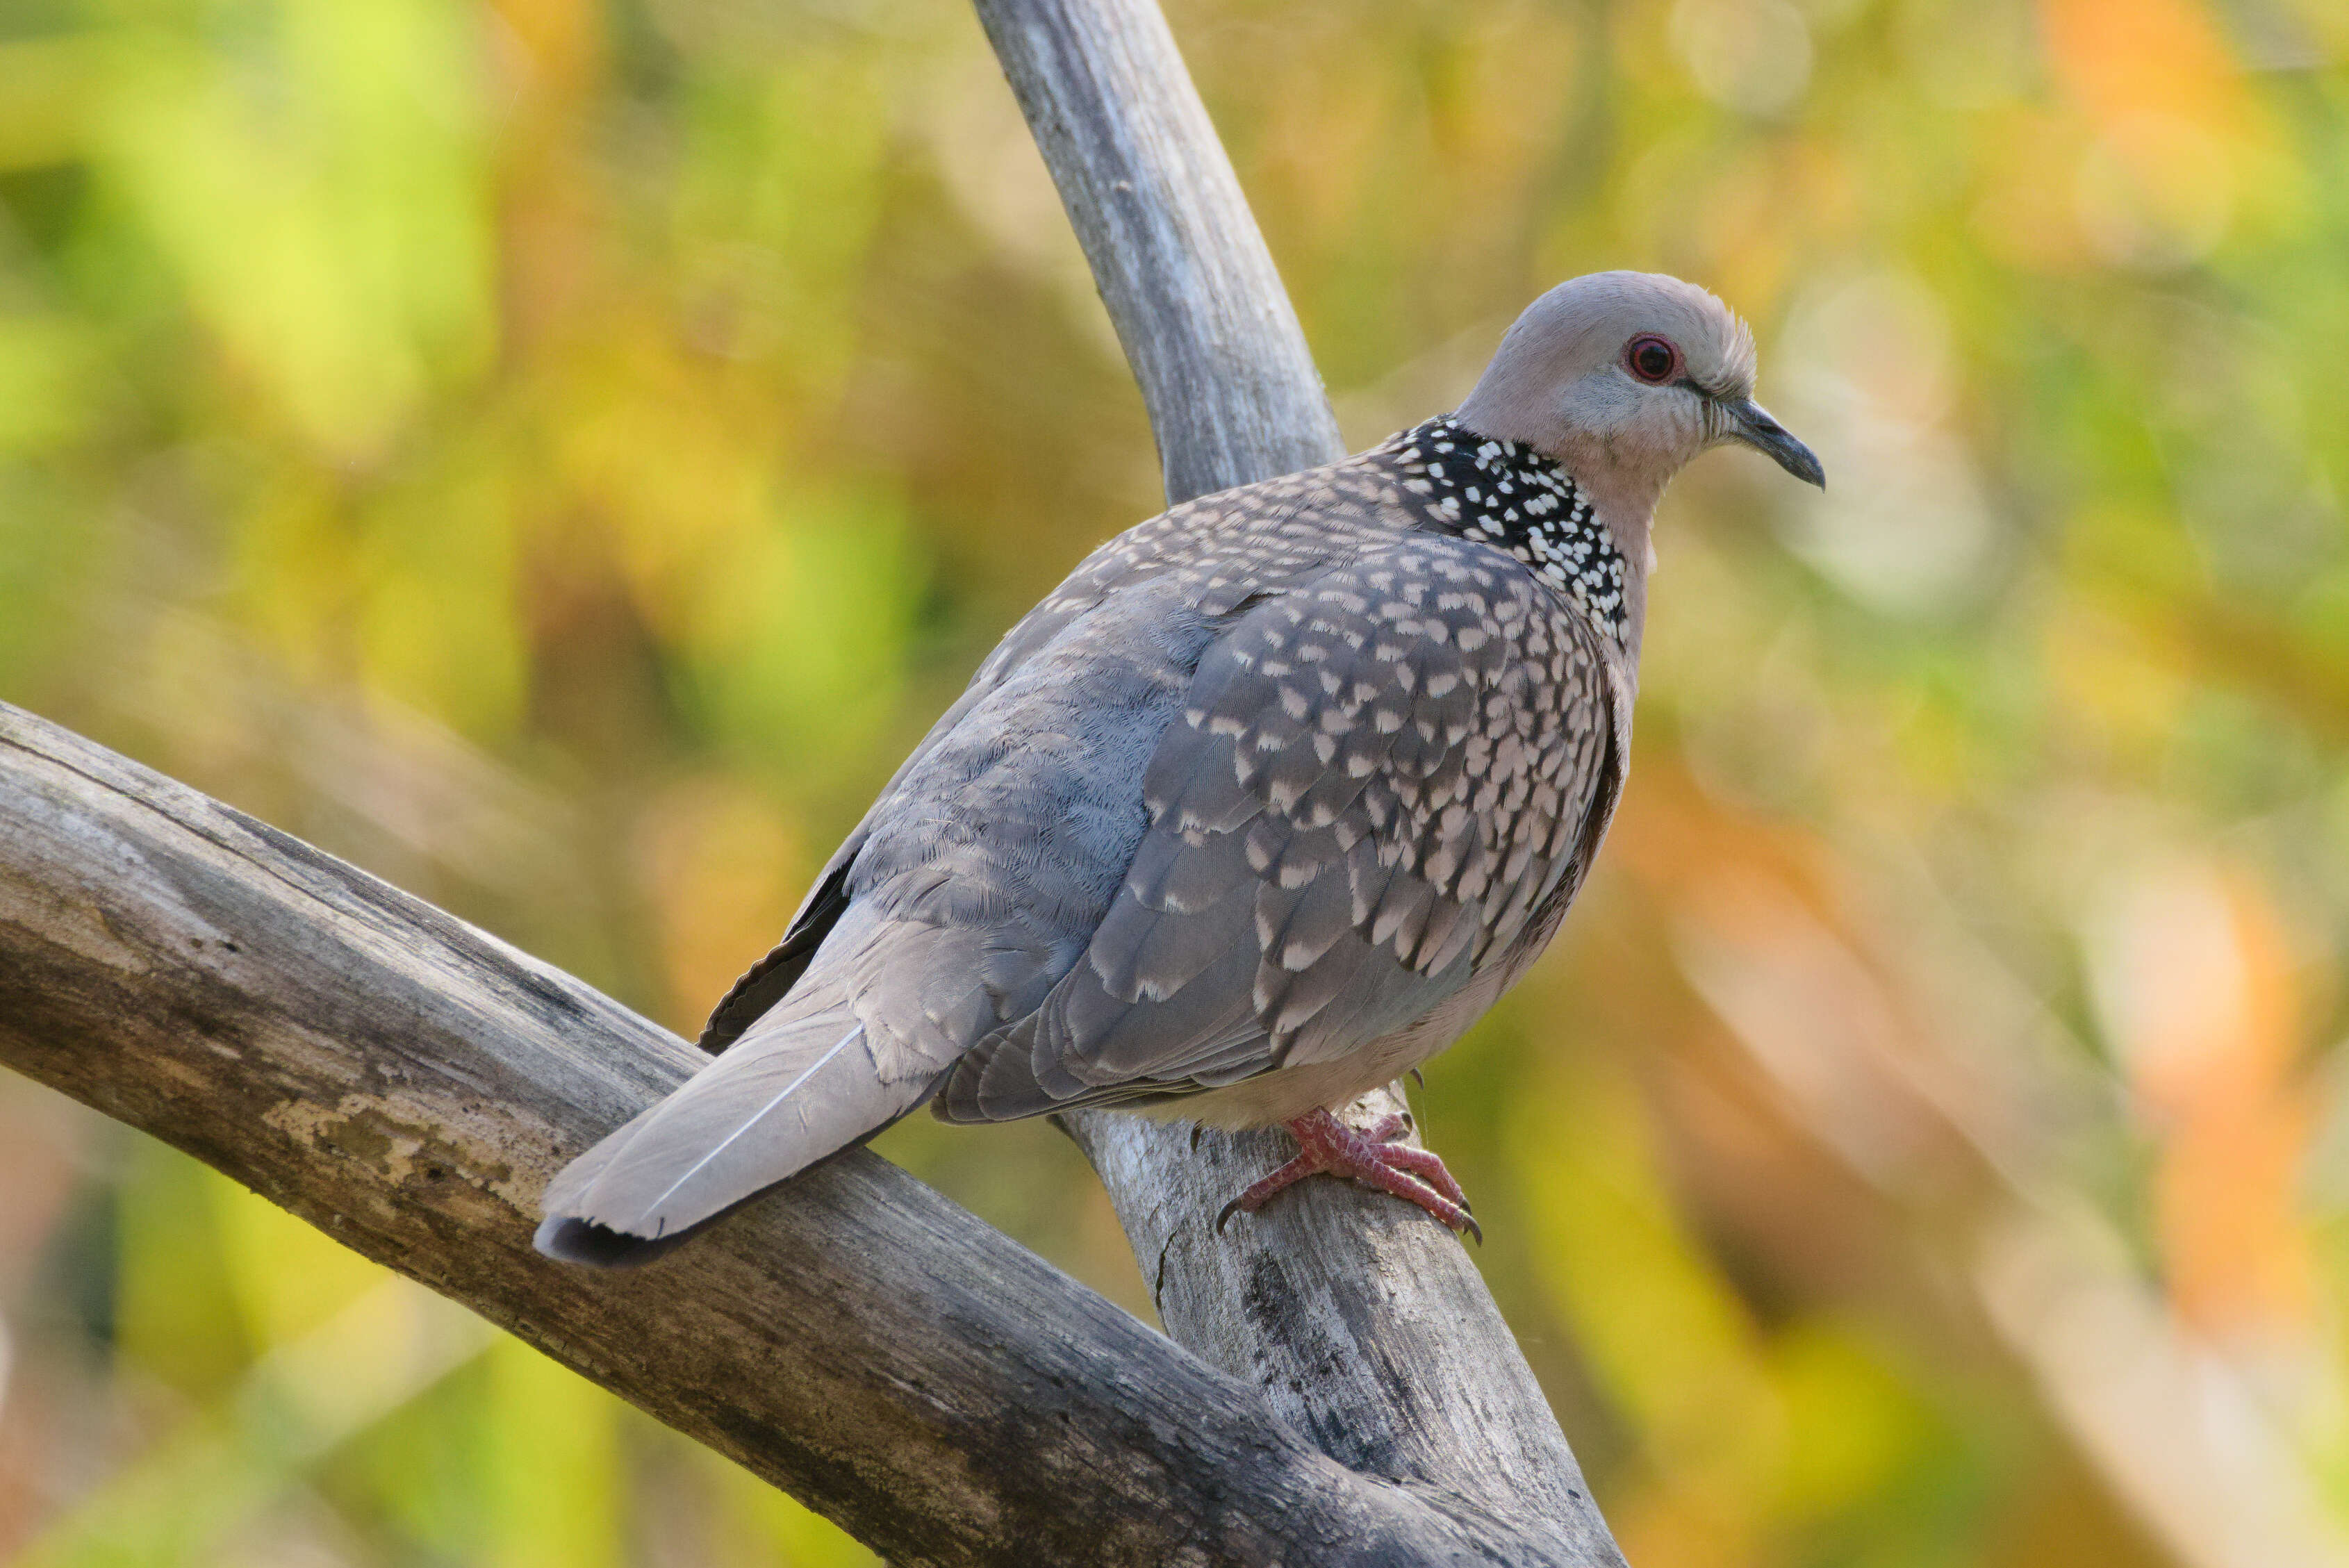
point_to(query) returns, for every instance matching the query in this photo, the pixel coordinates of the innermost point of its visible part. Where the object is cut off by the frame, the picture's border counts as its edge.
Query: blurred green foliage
(560, 456)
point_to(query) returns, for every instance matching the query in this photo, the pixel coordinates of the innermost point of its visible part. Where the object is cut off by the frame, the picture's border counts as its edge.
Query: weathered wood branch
(1362, 1324)
(408, 1083)
(1198, 307)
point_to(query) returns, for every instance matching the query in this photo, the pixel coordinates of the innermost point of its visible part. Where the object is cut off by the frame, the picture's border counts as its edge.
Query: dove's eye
(1651, 359)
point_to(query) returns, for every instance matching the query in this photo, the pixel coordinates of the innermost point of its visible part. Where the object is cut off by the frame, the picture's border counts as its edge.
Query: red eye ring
(1651, 359)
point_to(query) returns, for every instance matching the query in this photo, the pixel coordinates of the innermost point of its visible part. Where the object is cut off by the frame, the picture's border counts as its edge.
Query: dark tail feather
(574, 1241)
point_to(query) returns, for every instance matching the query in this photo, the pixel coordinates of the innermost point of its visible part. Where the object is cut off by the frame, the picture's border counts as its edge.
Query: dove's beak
(1747, 423)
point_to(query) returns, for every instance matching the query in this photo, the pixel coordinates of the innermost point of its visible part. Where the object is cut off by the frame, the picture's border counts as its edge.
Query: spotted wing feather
(1215, 554)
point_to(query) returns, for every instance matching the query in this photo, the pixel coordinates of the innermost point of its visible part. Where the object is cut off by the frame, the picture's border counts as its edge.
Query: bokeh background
(559, 455)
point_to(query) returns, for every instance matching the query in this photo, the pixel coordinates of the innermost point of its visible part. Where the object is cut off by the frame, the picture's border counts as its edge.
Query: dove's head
(1621, 378)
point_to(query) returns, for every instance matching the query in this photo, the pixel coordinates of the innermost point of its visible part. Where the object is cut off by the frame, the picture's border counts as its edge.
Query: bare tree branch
(407, 1083)
(1224, 372)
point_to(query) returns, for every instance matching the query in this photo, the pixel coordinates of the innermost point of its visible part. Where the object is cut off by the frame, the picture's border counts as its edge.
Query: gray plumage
(1264, 805)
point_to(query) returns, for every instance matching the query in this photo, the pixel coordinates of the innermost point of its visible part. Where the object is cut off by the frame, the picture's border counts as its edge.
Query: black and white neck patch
(1505, 494)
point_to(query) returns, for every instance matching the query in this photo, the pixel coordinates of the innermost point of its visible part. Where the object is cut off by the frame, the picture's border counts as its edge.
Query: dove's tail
(794, 1088)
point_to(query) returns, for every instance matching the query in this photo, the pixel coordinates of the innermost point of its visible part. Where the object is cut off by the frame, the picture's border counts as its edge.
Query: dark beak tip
(1751, 425)
(1794, 456)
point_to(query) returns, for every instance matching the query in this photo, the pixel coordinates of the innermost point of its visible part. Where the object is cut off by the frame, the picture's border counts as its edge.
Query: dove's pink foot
(1328, 1146)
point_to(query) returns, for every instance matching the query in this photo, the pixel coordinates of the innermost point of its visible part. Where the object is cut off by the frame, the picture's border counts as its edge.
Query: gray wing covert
(1222, 547)
(1377, 779)
(767, 982)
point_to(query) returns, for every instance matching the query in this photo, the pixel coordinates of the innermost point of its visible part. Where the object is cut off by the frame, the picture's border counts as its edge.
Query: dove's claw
(1328, 1146)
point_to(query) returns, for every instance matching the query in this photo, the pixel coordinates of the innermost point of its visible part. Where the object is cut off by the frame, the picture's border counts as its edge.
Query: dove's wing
(1214, 554)
(970, 888)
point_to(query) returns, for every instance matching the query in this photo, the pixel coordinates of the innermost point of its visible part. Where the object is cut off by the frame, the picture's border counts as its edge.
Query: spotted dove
(1260, 808)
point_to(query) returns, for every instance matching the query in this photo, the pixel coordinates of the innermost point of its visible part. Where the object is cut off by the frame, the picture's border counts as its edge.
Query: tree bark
(1198, 307)
(408, 1084)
